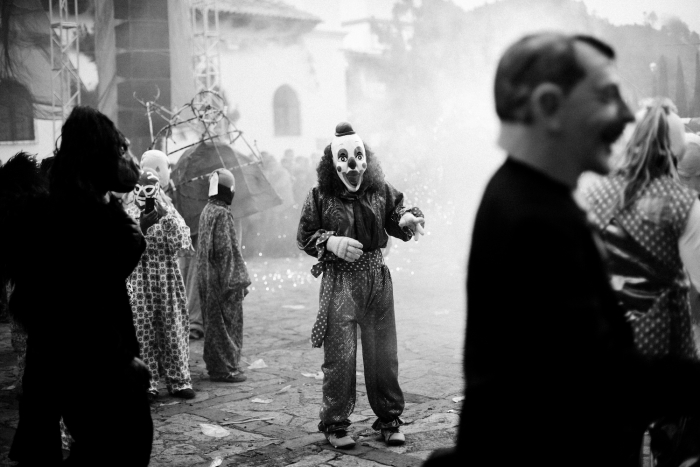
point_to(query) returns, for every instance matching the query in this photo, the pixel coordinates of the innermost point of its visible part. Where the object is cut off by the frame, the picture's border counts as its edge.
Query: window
(286, 108)
(16, 112)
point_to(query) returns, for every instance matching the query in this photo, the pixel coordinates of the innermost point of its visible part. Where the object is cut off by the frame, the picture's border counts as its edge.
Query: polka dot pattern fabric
(159, 302)
(655, 220)
(361, 297)
(366, 262)
(666, 328)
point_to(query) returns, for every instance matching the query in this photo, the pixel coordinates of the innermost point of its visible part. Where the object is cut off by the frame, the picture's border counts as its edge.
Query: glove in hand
(414, 223)
(147, 220)
(345, 248)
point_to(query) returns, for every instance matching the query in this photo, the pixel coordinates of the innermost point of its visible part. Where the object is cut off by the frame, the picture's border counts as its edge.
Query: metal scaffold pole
(65, 44)
(207, 60)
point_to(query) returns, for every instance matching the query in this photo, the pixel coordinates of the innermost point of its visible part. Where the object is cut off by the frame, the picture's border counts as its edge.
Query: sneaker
(393, 437)
(340, 439)
(187, 393)
(237, 378)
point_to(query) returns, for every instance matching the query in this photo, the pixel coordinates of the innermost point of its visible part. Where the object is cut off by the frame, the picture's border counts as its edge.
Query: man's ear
(545, 102)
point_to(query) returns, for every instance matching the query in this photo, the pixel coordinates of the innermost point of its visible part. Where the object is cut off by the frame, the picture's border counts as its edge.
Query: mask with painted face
(349, 156)
(146, 191)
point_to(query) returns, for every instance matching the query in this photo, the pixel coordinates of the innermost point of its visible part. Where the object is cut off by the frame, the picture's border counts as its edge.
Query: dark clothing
(81, 339)
(222, 278)
(551, 366)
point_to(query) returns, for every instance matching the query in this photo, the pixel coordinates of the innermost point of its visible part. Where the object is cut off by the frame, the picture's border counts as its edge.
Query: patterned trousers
(164, 342)
(363, 298)
(223, 335)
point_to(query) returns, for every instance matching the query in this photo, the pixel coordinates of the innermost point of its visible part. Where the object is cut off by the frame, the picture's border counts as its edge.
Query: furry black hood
(330, 184)
(23, 201)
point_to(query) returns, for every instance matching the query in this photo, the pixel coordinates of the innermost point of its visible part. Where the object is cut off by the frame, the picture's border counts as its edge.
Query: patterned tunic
(644, 260)
(222, 279)
(159, 301)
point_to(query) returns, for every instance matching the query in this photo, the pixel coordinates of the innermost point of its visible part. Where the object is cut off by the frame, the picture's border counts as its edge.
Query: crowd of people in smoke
(271, 232)
(591, 346)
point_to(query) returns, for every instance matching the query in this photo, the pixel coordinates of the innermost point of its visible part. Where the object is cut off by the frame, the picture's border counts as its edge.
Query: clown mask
(147, 188)
(349, 156)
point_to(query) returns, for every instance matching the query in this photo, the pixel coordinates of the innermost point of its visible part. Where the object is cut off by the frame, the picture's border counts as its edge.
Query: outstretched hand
(414, 223)
(345, 248)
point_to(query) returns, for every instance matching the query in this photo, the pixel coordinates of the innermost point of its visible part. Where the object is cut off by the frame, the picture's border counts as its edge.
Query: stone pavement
(271, 419)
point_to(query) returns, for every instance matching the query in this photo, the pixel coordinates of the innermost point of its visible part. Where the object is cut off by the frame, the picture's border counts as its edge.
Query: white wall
(42, 145)
(314, 67)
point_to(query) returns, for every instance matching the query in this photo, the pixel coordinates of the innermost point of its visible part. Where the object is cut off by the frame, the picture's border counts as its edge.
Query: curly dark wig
(330, 184)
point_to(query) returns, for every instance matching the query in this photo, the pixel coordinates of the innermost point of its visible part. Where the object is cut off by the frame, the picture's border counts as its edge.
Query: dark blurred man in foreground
(553, 377)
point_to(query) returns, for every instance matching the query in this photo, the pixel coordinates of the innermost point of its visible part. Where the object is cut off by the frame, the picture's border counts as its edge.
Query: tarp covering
(30, 55)
(190, 178)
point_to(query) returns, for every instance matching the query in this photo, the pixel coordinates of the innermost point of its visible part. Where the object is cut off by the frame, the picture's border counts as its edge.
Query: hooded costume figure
(158, 298)
(222, 281)
(345, 222)
(71, 297)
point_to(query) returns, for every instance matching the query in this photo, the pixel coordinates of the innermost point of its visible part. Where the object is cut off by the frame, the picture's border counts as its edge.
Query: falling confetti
(317, 375)
(214, 431)
(259, 363)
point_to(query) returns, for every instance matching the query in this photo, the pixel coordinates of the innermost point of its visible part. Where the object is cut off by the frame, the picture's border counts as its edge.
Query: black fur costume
(69, 256)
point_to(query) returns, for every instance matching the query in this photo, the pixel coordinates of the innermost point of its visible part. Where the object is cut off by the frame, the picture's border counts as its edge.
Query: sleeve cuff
(321, 243)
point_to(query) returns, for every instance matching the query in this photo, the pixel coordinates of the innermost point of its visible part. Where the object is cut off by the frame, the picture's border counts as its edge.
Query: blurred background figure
(689, 164)
(304, 179)
(650, 224)
(288, 160)
(272, 232)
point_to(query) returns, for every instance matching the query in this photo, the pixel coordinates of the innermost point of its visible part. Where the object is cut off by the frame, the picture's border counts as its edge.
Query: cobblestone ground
(271, 419)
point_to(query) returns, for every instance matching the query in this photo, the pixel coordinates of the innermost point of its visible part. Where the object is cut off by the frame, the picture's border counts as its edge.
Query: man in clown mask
(222, 281)
(345, 222)
(157, 290)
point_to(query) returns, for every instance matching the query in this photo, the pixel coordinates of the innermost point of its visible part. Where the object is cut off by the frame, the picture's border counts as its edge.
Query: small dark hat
(343, 129)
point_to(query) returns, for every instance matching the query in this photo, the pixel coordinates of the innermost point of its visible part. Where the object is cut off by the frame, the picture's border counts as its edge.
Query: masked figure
(158, 296)
(345, 222)
(222, 282)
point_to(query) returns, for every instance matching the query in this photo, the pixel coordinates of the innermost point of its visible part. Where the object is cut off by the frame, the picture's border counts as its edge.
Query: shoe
(196, 334)
(187, 393)
(393, 437)
(237, 378)
(152, 397)
(340, 439)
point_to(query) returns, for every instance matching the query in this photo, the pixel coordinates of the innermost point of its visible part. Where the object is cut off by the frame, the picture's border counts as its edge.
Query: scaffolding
(65, 78)
(205, 31)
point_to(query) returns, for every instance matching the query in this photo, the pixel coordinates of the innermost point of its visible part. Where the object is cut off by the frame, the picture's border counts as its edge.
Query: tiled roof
(269, 8)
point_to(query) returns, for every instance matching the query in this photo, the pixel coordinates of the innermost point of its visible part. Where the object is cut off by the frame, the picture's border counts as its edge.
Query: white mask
(349, 159)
